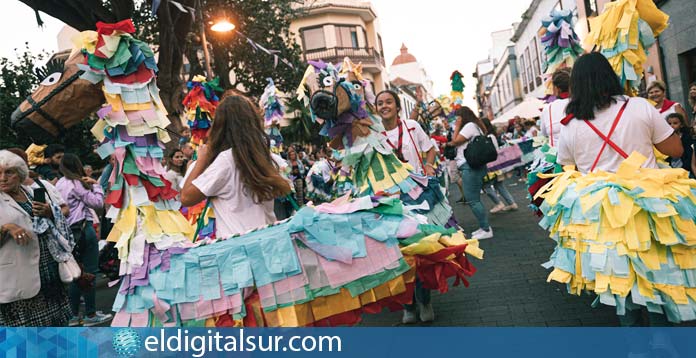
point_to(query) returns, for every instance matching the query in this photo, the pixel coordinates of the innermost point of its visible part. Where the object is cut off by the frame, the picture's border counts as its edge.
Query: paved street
(510, 287)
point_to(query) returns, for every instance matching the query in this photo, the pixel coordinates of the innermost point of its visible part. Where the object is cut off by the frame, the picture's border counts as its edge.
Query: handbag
(69, 270)
(449, 152)
(480, 151)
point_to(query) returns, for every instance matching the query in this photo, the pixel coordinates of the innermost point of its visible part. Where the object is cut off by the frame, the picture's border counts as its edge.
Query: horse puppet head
(339, 97)
(52, 108)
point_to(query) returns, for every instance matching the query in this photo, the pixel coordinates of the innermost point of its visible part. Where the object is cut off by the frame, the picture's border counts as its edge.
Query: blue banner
(350, 342)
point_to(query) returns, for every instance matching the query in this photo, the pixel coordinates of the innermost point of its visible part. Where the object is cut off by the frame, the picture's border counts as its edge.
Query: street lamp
(222, 25)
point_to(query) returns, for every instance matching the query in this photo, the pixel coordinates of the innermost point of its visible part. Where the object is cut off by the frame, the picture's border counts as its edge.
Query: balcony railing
(368, 56)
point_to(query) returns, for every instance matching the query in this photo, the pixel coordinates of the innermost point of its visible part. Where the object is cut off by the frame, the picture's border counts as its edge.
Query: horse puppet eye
(51, 79)
(357, 86)
(327, 81)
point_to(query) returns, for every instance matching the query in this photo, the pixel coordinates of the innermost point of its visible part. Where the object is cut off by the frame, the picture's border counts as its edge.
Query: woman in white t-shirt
(176, 165)
(554, 112)
(597, 96)
(472, 178)
(236, 170)
(406, 137)
(640, 128)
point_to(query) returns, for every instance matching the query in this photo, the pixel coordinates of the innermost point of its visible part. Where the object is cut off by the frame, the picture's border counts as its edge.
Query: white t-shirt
(640, 127)
(551, 117)
(235, 211)
(670, 110)
(175, 178)
(408, 149)
(469, 131)
(320, 168)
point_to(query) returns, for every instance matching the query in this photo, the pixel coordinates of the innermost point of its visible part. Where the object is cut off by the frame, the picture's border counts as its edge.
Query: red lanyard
(398, 149)
(607, 139)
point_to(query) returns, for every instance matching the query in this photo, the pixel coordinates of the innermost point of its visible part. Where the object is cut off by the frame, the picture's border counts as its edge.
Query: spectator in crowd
(82, 194)
(31, 291)
(176, 168)
(297, 174)
(49, 170)
(657, 92)
(187, 151)
(686, 134)
(54, 196)
(472, 177)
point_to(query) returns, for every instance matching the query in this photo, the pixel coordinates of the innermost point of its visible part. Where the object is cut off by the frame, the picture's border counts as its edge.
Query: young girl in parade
(494, 182)
(236, 171)
(472, 178)
(410, 143)
(606, 128)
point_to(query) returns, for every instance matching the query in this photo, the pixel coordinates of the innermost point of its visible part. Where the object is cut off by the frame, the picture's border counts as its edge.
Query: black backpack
(480, 151)
(450, 152)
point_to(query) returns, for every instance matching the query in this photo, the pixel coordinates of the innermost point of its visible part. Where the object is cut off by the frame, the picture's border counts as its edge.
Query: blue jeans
(472, 181)
(420, 295)
(498, 186)
(89, 258)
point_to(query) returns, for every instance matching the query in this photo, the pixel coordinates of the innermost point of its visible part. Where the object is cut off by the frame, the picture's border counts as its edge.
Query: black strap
(39, 183)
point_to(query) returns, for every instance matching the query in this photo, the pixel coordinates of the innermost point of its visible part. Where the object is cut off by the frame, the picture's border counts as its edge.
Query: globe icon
(126, 342)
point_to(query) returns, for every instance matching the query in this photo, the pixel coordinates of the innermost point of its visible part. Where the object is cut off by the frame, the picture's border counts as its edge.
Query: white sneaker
(98, 318)
(74, 321)
(512, 207)
(483, 234)
(477, 232)
(427, 314)
(409, 317)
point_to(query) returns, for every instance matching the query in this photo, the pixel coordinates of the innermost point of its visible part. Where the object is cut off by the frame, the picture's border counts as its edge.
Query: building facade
(331, 30)
(410, 80)
(678, 48)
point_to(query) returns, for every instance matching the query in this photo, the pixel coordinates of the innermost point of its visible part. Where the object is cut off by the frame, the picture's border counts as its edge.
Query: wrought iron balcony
(368, 56)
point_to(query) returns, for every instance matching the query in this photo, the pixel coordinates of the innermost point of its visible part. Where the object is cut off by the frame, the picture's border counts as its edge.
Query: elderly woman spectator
(657, 92)
(31, 291)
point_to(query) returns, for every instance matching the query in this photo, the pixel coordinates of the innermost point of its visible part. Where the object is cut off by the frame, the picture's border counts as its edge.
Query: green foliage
(301, 129)
(265, 22)
(17, 81)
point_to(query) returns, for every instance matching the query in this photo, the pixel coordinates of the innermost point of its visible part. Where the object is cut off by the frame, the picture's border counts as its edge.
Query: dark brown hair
(71, 167)
(238, 126)
(170, 162)
(561, 79)
(468, 116)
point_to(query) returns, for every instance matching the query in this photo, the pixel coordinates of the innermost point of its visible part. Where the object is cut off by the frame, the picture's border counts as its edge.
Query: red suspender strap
(551, 122)
(607, 139)
(417, 148)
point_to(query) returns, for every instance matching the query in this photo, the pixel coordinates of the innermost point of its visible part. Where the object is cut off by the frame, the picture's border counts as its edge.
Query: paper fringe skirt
(629, 237)
(324, 267)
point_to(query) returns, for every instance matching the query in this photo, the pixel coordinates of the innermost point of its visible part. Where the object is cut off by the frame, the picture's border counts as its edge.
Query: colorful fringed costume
(561, 44)
(199, 106)
(325, 266)
(630, 237)
(623, 33)
(273, 112)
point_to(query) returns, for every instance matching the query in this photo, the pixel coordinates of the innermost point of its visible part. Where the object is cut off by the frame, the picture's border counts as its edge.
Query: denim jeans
(89, 258)
(472, 180)
(498, 186)
(420, 295)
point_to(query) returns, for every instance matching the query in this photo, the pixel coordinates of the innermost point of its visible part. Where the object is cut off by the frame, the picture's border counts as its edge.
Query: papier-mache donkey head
(62, 99)
(339, 97)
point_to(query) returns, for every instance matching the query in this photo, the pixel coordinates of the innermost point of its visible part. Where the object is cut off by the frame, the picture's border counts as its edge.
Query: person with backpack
(472, 165)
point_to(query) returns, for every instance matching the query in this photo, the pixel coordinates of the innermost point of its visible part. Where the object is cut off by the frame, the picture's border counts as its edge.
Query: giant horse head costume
(325, 266)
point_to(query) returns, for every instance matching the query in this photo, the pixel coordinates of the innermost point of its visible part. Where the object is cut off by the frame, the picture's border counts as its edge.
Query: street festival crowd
(55, 220)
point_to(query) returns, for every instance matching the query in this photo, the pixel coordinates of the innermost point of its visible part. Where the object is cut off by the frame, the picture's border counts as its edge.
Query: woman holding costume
(598, 105)
(236, 170)
(409, 142)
